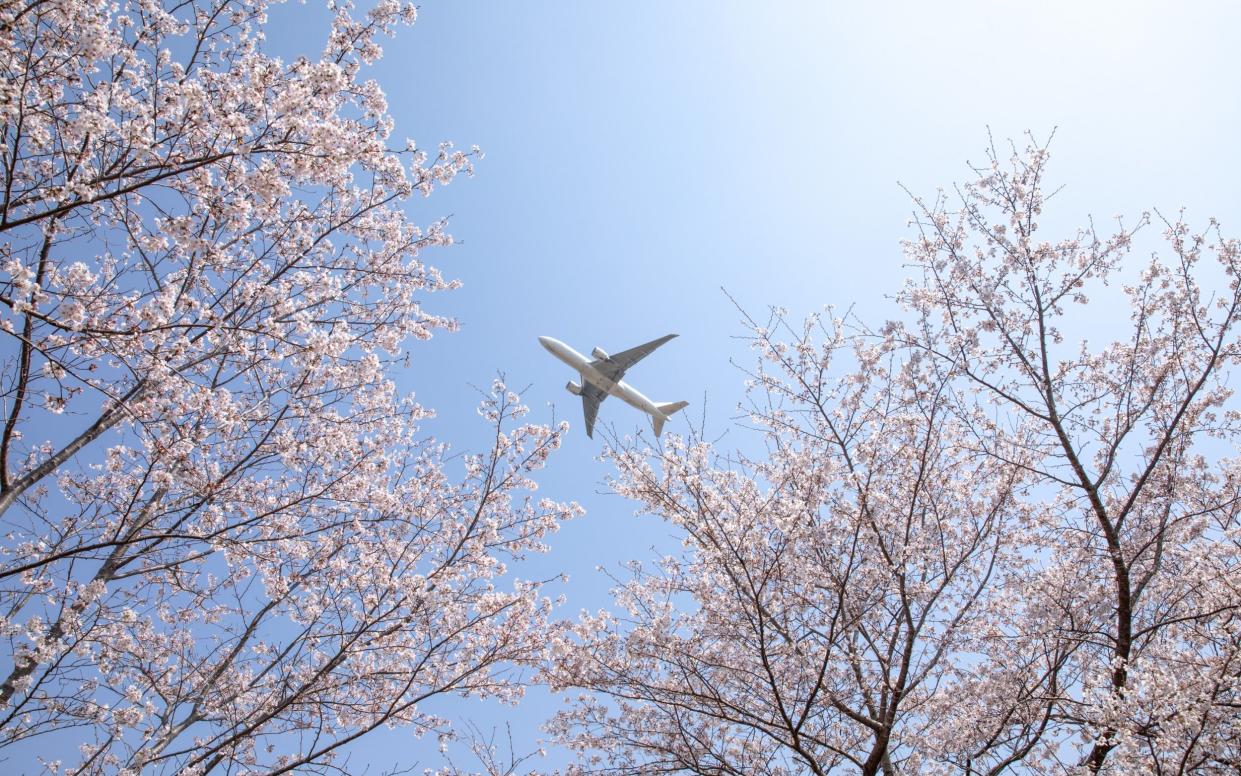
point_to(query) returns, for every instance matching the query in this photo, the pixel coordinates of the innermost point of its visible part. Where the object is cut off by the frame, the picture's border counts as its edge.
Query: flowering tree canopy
(968, 546)
(226, 544)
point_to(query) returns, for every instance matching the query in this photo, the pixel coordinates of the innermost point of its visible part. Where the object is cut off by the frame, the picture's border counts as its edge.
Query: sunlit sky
(642, 156)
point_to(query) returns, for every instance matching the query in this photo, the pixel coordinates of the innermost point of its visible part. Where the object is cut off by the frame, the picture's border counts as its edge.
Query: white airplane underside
(601, 377)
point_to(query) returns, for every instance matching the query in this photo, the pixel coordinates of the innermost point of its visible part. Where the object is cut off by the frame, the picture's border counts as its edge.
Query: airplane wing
(591, 398)
(615, 365)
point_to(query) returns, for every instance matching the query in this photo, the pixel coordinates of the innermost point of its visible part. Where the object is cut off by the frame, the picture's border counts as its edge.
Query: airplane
(601, 378)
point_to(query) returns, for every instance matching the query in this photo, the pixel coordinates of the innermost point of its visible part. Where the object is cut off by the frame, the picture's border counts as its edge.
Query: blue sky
(641, 156)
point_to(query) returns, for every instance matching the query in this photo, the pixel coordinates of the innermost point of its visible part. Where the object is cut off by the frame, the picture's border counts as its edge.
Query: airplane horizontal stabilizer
(666, 409)
(671, 407)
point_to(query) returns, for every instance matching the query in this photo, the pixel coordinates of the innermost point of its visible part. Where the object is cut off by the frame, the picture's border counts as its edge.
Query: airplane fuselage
(618, 388)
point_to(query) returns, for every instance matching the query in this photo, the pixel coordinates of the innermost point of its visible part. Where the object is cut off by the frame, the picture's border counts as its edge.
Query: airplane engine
(574, 388)
(600, 354)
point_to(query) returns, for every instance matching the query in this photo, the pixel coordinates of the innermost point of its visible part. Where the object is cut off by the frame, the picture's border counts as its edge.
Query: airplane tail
(666, 410)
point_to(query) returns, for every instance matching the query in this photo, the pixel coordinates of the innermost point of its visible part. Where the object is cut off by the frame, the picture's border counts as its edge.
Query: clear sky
(642, 155)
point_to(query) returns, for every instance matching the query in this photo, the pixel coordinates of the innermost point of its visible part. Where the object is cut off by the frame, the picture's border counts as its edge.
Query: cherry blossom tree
(988, 540)
(1135, 439)
(227, 545)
